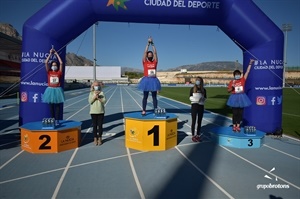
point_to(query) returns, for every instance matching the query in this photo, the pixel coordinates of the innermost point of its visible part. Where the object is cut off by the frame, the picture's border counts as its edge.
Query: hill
(210, 66)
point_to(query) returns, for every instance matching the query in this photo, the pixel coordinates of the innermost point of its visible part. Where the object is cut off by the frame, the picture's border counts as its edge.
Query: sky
(123, 44)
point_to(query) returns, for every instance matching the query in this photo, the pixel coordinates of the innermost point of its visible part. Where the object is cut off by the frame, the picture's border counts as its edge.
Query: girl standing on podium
(149, 83)
(238, 99)
(197, 98)
(97, 109)
(54, 94)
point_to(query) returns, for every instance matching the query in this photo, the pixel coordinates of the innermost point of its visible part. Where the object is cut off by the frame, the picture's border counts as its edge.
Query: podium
(226, 137)
(64, 137)
(148, 133)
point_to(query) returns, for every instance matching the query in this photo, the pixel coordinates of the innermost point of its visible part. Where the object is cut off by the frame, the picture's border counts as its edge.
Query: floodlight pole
(94, 47)
(285, 29)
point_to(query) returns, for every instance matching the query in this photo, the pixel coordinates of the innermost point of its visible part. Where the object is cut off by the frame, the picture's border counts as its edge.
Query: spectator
(197, 98)
(97, 109)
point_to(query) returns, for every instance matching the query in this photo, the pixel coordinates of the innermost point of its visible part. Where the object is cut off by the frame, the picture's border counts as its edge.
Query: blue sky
(122, 44)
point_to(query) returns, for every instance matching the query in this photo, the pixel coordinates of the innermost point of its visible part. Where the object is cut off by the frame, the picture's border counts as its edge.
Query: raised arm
(47, 60)
(248, 69)
(154, 52)
(145, 52)
(59, 60)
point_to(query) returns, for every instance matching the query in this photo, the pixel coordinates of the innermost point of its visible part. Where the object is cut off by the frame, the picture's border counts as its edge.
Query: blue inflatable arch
(59, 22)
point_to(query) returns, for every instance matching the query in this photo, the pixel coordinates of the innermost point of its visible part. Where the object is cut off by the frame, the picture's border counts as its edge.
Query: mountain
(9, 30)
(210, 66)
(128, 69)
(75, 60)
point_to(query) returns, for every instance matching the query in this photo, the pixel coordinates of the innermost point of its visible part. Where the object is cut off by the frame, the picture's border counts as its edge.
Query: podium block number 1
(155, 132)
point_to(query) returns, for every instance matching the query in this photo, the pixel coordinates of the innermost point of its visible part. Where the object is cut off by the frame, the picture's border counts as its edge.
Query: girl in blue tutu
(149, 83)
(238, 99)
(54, 94)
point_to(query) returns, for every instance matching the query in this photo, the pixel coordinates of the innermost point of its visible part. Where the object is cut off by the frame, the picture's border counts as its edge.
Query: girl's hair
(237, 72)
(201, 87)
(54, 61)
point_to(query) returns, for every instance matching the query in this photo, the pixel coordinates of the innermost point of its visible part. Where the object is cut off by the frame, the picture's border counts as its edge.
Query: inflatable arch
(59, 22)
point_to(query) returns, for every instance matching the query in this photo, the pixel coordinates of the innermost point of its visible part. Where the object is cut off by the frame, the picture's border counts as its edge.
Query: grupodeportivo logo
(272, 185)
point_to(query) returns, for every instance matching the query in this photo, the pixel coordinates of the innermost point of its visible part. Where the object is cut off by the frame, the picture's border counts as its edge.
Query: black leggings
(154, 98)
(237, 115)
(197, 110)
(54, 109)
(97, 120)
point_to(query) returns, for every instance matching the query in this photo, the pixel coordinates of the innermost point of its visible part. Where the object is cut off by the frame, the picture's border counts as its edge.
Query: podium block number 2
(44, 145)
(155, 132)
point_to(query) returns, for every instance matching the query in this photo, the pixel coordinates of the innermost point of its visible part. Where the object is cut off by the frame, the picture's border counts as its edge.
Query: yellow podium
(147, 133)
(64, 137)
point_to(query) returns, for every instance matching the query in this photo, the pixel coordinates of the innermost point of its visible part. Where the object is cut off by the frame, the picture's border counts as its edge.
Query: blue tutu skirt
(53, 95)
(238, 100)
(149, 84)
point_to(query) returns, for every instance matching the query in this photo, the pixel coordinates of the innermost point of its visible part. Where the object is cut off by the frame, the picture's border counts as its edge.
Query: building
(106, 74)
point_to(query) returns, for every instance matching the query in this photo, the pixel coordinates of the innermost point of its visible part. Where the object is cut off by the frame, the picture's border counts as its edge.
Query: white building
(107, 74)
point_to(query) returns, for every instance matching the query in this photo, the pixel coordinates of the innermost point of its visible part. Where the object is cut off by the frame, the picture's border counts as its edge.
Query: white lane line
(73, 166)
(291, 114)
(209, 178)
(63, 175)
(11, 159)
(30, 176)
(69, 163)
(9, 143)
(136, 179)
(248, 161)
(135, 176)
(297, 158)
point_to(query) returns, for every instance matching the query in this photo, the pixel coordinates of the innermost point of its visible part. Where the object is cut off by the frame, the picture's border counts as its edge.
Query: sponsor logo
(274, 100)
(34, 97)
(133, 133)
(26, 138)
(279, 100)
(260, 100)
(274, 185)
(24, 97)
(271, 100)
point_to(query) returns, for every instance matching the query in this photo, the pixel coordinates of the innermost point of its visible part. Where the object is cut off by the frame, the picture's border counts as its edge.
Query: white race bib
(54, 80)
(238, 89)
(151, 72)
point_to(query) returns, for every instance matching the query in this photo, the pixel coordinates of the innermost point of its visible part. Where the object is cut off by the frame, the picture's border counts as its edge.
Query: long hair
(200, 87)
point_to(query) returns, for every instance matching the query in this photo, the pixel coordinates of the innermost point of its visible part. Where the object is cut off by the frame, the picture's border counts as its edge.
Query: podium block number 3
(155, 132)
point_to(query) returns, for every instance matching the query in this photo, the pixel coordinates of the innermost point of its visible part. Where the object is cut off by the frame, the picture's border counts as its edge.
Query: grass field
(217, 98)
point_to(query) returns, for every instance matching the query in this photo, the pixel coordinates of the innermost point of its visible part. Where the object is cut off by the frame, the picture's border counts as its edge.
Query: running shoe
(194, 139)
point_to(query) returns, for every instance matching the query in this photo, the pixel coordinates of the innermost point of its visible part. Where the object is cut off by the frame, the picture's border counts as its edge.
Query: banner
(254, 33)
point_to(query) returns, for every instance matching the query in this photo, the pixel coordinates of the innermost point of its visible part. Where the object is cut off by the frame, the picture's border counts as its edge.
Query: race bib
(238, 89)
(151, 72)
(54, 80)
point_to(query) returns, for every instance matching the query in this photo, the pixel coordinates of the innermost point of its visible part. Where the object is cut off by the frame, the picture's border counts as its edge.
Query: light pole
(94, 49)
(285, 29)
(236, 64)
